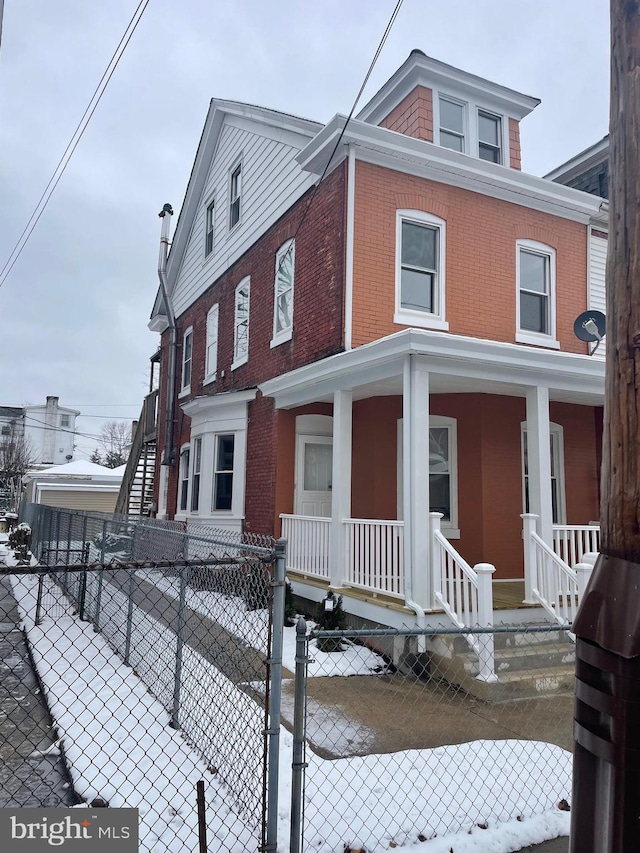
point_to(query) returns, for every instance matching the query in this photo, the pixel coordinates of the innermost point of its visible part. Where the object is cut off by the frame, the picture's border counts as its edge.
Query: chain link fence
(158, 672)
(414, 745)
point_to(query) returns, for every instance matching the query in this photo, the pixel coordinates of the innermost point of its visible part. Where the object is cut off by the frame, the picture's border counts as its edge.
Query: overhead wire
(73, 142)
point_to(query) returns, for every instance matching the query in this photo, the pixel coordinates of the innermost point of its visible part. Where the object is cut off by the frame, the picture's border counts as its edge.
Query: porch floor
(508, 595)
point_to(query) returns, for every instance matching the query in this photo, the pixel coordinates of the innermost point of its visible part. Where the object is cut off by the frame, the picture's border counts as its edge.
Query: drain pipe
(169, 453)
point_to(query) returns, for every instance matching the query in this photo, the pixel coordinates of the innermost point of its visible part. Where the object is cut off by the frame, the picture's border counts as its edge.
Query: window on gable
(283, 294)
(535, 265)
(195, 474)
(65, 421)
(209, 228)
(223, 472)
(211, 355)
(187, 355)
(235, 195)
(452, 131)
(241, 324)
(184, 478)
(420, 262)
(556, 439)
(489, 137)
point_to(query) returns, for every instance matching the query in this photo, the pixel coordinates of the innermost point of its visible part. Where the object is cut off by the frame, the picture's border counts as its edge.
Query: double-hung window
(452, 124)
(223, 472)
(65, 421)
(283, 294)
(235, 195)
(420, 270)
(195, 474)
(535, 272)
(241, 324)
(209, 228)
(187, 356)
(211, 352)
(184, 478)
(489, 137)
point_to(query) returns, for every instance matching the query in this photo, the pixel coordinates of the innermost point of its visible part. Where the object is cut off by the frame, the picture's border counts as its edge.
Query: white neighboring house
(76, 485)
(49, 429)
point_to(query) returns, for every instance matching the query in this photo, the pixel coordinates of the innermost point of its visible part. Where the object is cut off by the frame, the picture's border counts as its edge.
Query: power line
(46, 426)
(73, 142)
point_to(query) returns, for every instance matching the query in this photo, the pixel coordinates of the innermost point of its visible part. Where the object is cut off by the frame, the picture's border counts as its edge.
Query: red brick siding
(480, 257)
(413, 116)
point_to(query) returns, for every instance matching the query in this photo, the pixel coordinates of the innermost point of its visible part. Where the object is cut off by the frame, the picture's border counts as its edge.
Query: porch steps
(527, 664)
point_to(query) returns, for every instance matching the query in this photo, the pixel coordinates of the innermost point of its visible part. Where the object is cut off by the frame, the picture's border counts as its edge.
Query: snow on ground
(119, 746)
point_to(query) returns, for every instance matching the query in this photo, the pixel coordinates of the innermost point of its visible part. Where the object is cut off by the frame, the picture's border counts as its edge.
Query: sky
(75, 307)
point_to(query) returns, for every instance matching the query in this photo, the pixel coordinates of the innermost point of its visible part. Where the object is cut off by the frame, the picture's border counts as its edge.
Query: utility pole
(606, 780)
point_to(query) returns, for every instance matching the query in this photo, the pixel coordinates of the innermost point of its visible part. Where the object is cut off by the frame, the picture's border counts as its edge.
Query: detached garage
(78, 485)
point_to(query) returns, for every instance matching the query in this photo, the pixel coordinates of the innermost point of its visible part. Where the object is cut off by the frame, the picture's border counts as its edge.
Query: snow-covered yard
(120, 747)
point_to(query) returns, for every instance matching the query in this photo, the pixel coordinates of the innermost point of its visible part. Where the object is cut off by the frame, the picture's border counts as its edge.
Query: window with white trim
(187, 357)
(195, 474)
(209, 227)
(184, 478)
(556, 439)
(223, 472)
(65, 421)
(443, 472)
(489, 137)
(452, 124)
(283, 293)
(211, 352)
(235, 195)
(420, 269)
(241, 324)
(536, 274)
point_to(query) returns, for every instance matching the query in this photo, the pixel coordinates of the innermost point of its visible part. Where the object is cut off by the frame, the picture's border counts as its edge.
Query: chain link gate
(157, 672)
(413, 745)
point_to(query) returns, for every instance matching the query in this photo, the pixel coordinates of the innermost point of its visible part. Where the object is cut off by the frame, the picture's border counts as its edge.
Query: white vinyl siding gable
(597, 277)
(211, 351)
(271, 182)
(283, 294)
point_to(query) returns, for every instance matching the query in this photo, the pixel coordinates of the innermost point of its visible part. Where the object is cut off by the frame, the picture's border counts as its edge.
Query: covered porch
(447, 444)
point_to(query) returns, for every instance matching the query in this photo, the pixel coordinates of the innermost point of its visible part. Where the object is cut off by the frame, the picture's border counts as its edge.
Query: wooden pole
(620, 508)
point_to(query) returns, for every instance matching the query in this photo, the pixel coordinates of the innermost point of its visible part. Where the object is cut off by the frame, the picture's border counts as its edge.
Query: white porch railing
(572, 541)
(375, 555)
(307, 544)
(465, 595)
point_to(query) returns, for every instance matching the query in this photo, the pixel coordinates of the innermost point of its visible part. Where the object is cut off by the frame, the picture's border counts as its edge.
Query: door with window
(314, 466)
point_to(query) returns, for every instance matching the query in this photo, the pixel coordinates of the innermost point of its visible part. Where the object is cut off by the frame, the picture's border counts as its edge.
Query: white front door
(314, 459)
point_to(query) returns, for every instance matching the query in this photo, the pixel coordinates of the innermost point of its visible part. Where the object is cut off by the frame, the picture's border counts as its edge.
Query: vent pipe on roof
(169, 453)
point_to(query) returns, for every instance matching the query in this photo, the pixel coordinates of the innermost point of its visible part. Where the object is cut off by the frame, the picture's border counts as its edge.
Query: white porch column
(415, 481)
(539, 461)
(341, 483)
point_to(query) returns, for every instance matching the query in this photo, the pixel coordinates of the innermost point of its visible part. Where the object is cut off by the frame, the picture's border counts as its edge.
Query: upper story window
(536, 274)
(195, 474)
(65, 421)
(452, 124)
(209, 228)
(283, 294)
(489, 137)
(241, 324)
(184, 478)
(211, 354)
(420, 269)
(235, 195)
(187, 356)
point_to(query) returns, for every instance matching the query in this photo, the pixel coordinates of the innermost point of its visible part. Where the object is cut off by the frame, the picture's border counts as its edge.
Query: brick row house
(382, 367)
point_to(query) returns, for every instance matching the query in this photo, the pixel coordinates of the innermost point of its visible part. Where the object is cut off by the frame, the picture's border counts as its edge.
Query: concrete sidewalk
(558, 845)
(32, 772)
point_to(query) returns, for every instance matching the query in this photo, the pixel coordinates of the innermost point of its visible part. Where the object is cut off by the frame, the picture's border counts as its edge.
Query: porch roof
(457, 364)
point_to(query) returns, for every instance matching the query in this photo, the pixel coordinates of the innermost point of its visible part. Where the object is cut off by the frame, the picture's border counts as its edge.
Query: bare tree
(16, 458)
(115, 438)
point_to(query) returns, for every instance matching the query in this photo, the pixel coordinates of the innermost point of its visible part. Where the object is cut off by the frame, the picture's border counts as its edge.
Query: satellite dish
(590, 326)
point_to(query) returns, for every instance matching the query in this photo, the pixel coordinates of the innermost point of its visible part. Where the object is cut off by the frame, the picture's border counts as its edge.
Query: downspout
(169, 452)
(351, 206)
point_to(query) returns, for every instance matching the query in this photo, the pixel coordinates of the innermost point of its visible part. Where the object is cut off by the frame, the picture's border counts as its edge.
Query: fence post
(39, 599)
(529, 520)
(275, 692)
(175, 713)
(435, 519)
(127, 641)
(298, 764)
(484, 572)
(100, 574)
(583, 572)
(84, 558)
